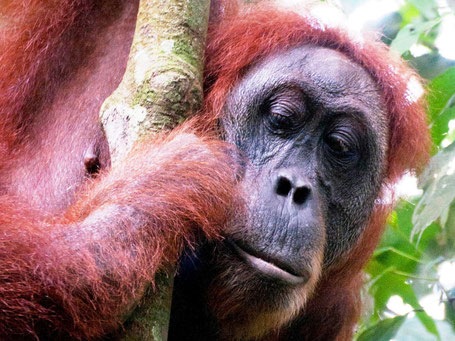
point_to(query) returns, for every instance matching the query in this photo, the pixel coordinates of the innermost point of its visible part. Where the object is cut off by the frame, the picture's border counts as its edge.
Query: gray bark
(161, 87)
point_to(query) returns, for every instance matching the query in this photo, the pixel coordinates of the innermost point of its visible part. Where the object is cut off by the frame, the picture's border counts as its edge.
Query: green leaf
(450, 308)
(449, 225)
(388, 284)
(438, 182)
(412, 330)
(383, 330)
(426, 7)
(379, 252)
(441, 92)
(409, 13)
(400, 236)
(440, 125)
(409, 35)
(396, 248)
(429, 323)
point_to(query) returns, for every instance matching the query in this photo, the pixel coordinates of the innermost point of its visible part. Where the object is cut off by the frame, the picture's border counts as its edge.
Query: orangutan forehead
(326, 76)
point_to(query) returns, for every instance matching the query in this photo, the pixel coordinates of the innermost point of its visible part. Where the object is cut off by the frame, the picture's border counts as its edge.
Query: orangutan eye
(342, 145)
(280, 120)
(284, 112)
(337, 144)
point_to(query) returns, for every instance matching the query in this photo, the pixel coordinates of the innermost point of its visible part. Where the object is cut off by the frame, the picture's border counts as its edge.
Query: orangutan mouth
(267, 266)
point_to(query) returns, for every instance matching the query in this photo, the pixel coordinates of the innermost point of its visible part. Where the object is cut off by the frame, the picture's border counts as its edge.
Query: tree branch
(161, 87)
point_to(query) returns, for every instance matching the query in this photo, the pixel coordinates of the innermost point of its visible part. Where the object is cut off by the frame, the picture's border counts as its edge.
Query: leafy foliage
(383, 330)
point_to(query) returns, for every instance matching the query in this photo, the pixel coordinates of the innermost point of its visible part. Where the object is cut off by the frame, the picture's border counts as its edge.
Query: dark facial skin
(312, 128)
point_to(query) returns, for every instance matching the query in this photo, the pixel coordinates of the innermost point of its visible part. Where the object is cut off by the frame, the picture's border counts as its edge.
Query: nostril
(301, 195)
(283, 186)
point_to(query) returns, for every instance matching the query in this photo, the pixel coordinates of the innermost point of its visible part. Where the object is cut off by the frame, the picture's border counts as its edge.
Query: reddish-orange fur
(49, 273)
(30, 43)
(77, 271)
(47, 276)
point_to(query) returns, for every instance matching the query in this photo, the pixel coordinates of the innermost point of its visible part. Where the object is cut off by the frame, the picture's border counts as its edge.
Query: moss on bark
(161, 87)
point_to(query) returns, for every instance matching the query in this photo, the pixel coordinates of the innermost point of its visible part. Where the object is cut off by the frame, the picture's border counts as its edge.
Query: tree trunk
(161, 87)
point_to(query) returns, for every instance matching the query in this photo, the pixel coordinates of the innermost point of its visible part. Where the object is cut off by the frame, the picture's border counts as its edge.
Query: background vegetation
(410, 292)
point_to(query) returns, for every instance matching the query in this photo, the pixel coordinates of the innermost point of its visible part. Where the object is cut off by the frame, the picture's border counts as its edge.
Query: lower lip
(267, 268)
